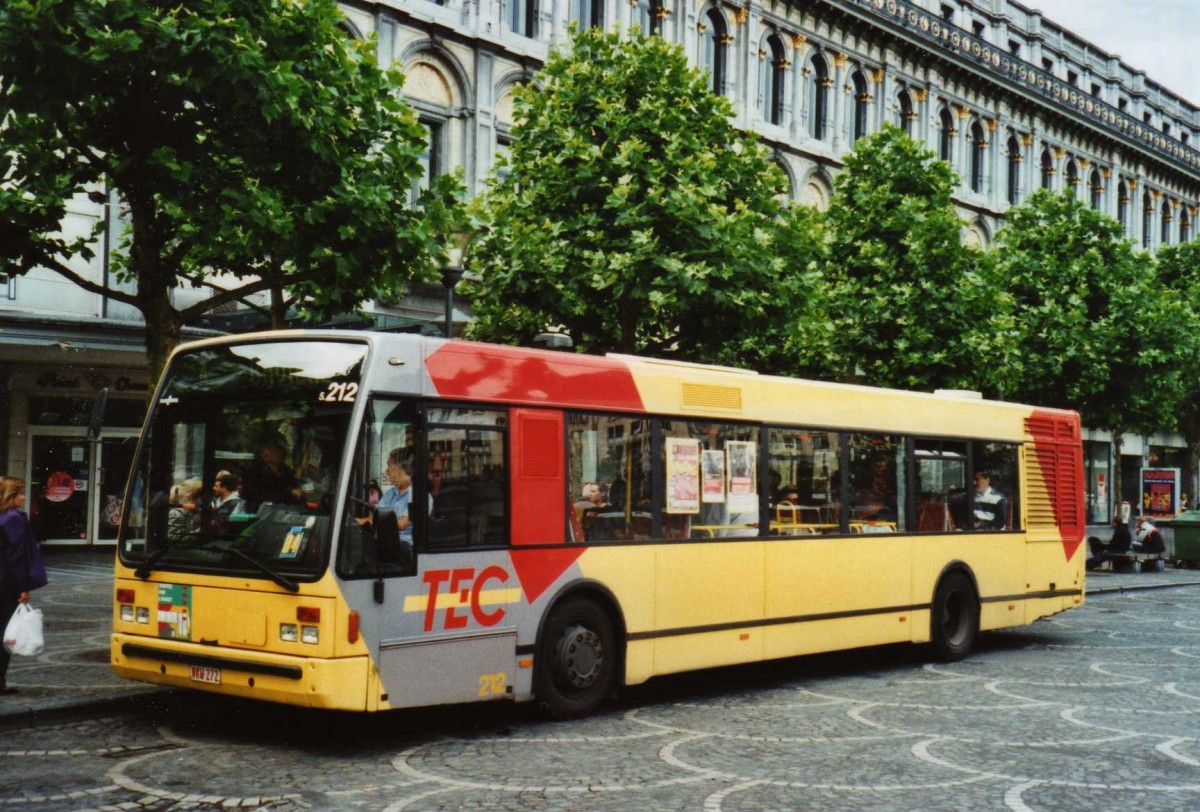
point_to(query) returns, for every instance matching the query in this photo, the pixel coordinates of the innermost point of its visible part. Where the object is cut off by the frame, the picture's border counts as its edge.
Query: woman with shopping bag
(22, 569)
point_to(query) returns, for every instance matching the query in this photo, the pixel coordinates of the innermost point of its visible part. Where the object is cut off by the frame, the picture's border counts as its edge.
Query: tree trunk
(278, 309)
(1118, 441)
(154, 282)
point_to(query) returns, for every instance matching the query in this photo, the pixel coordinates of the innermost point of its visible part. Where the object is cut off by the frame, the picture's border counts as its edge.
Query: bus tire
(954, 621)
(576, 659)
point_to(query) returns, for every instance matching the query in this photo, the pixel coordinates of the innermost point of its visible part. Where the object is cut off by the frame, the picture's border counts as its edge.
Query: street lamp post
(450, 277)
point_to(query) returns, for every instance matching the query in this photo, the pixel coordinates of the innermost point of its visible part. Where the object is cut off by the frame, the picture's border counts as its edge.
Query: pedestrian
(22, 569)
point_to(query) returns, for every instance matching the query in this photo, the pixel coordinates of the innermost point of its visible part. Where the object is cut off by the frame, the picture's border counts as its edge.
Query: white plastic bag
(23, 635)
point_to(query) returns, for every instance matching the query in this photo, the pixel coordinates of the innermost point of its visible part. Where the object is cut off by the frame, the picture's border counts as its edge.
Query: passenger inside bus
(269, 479)
(183, 519)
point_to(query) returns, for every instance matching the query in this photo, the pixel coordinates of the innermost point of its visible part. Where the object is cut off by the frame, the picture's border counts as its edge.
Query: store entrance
(76, 486)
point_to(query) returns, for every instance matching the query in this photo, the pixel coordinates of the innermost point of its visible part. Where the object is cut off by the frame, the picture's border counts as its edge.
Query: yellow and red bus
(405, 521)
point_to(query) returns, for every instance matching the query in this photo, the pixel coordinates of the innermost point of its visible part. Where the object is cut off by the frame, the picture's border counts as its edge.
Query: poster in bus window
(683, 475)
(712, 471)
(1160, 492)
(741, 459)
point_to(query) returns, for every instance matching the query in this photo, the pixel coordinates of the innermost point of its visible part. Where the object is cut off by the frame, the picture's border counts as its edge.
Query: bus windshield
(240, 459)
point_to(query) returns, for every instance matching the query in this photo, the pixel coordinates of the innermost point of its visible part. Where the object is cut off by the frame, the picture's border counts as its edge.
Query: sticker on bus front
(292, 542)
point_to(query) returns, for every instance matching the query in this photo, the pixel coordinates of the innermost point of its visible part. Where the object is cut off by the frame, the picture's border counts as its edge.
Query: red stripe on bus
(522, 376)
(538, 569)
(1056, 438)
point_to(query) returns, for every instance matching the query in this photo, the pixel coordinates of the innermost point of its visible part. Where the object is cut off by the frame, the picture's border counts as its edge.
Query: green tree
(1178, 271)
(252, 144)
(631, 212)
(908, 305)
(1096, 331)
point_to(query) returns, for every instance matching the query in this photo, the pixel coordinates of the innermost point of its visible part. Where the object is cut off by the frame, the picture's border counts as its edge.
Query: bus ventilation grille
(540, 455)
(708, 396)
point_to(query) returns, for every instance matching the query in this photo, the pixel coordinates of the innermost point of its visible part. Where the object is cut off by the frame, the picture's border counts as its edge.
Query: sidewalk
(72, 676)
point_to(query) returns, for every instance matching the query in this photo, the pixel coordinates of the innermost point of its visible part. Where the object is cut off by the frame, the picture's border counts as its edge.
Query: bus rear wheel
(576, 659)
(954, 624)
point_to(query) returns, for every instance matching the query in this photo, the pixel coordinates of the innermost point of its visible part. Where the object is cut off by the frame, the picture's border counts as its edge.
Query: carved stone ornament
(799, 42)
(741, 15)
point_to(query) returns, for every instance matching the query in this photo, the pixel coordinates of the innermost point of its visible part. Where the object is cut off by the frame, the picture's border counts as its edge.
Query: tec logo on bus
(454, 597)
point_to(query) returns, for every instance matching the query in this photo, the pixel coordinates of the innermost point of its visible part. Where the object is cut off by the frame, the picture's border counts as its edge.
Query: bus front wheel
(576, 659)
(954, 624)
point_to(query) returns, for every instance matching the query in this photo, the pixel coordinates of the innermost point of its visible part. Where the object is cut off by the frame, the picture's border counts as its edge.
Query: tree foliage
(1096, 332)
(1178, 271)
(631, 212)
(246, 137)
(907, 304)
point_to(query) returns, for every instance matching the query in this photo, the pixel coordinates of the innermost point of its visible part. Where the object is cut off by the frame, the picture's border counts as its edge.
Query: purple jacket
(21, 565)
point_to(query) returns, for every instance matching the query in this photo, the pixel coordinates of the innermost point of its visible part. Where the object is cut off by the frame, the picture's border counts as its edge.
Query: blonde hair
(187, 492)
(10, 488)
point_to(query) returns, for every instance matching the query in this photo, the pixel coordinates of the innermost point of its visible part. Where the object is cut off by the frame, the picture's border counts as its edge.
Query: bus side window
(387, 437)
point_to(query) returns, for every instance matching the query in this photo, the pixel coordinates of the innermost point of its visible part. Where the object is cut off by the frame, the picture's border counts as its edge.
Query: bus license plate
(204, 673)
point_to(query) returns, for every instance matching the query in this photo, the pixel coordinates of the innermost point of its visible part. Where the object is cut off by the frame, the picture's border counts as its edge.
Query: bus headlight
(309, 634)
(143, 614)
(127, 613)
(288, 632)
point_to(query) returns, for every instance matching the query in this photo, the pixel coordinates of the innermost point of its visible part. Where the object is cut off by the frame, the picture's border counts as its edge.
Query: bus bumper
(333, 684)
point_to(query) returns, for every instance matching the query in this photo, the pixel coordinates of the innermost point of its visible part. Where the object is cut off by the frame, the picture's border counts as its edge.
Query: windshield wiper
(282, 580)
(147, 566)
(148, 563)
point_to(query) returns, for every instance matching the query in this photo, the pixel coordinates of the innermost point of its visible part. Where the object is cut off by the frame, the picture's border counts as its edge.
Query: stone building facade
(1013, 100)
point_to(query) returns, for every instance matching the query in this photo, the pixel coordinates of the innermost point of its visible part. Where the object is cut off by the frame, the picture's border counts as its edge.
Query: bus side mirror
(392, 553)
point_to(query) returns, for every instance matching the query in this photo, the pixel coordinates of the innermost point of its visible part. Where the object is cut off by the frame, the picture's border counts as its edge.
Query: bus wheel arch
(580, 653)
(954, 614)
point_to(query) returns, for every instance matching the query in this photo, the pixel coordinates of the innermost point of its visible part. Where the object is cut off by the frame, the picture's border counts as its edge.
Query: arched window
(1123, 207)
(772, 64)
(1165, 235)
(714, 38)
(1072, 177)
(588, 13)
(649, 15)
(905, 113)
(522, 17)
(978, 151)
(818, 97)
(1185, 224)
(1096, 190)
(1147, 218)
(1014, 170)
(946, 136)
(1047, 169)
(862, 98)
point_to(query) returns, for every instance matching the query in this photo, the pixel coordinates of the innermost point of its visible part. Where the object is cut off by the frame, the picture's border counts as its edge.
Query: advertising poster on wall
(712, 469)
(683, 475)
(1160, 492)
(741, 461)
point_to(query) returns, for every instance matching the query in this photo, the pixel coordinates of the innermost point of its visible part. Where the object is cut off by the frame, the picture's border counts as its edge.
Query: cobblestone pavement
(1097, 708)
